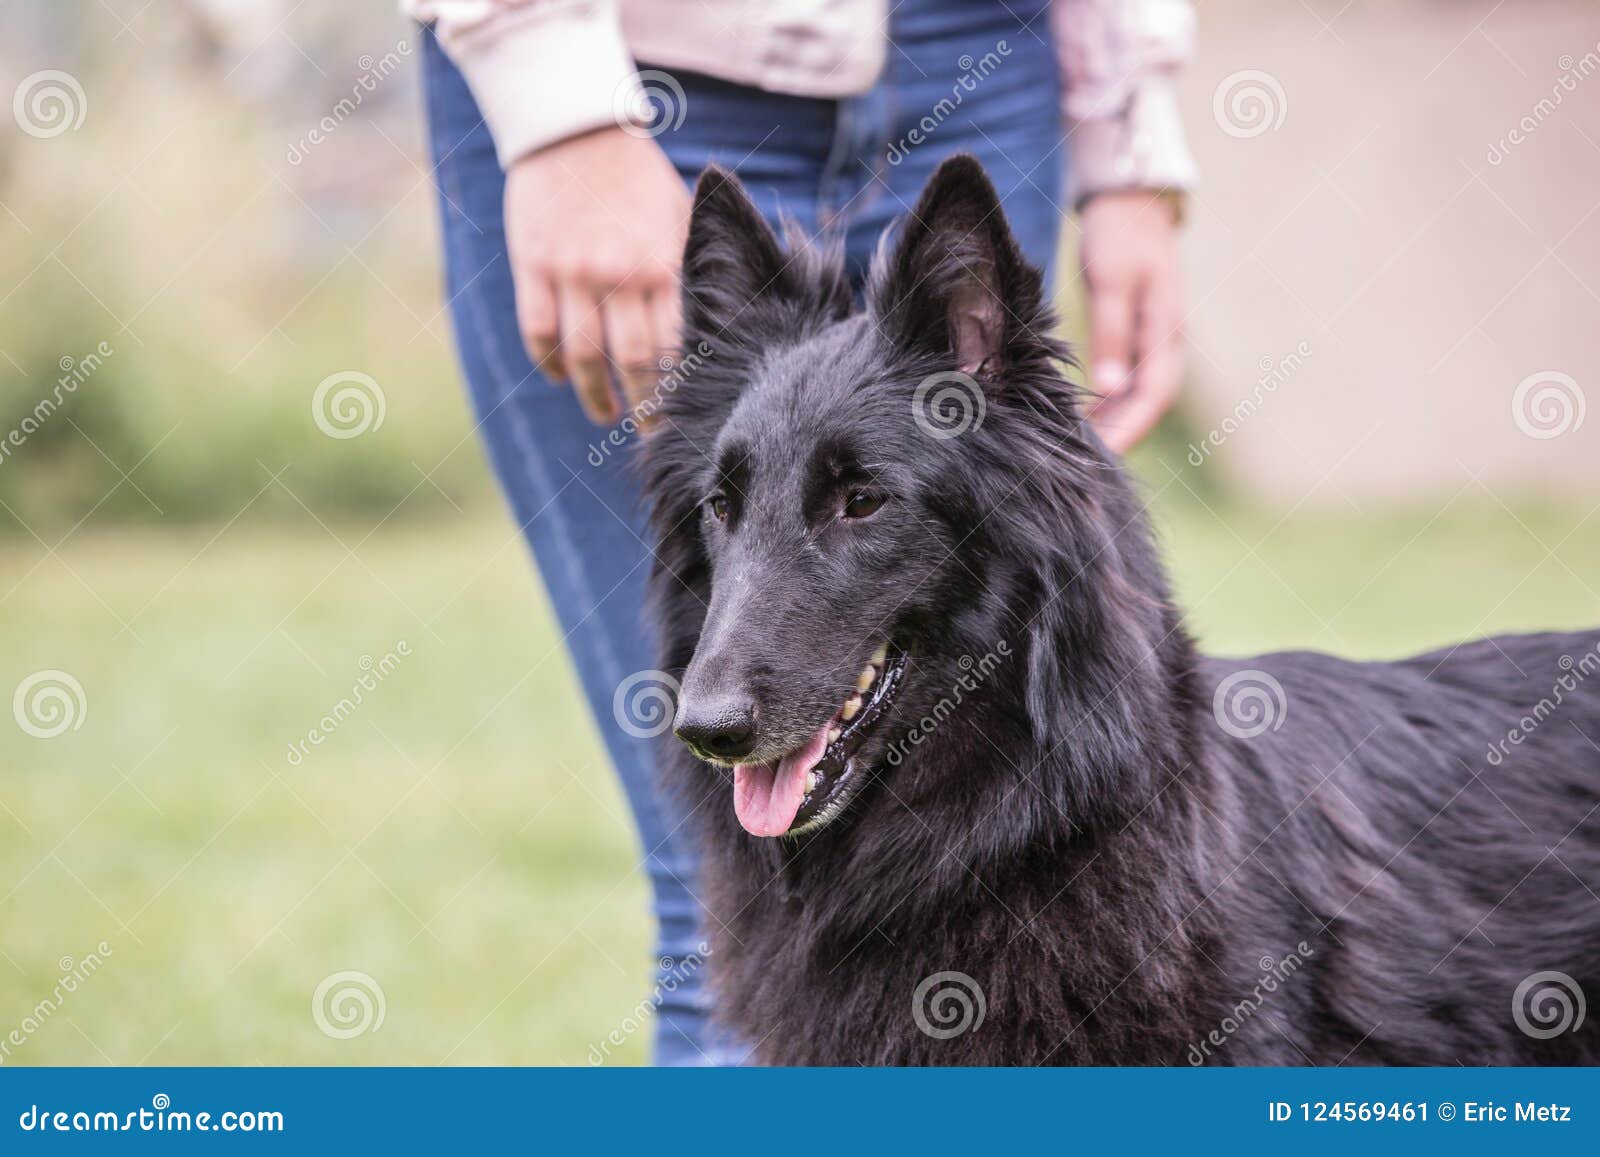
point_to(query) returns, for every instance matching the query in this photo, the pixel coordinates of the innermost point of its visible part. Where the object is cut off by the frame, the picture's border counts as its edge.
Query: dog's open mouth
(812, 784)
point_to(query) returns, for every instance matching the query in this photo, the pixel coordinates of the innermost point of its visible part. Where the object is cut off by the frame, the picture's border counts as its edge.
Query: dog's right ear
(731, 259)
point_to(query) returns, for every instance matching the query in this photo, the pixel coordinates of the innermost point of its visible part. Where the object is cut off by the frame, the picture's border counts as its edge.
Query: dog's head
(840, 494)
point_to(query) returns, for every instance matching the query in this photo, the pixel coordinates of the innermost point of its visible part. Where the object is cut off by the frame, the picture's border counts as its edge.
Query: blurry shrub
(197, 377)
(200, 441)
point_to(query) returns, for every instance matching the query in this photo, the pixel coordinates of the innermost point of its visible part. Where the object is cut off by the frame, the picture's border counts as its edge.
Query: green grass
(459, 837)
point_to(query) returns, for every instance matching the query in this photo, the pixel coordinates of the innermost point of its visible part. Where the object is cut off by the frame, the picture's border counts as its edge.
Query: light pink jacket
(543, 70)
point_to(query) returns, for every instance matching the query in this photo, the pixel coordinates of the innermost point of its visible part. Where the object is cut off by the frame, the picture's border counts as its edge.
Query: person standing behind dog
(565, 134)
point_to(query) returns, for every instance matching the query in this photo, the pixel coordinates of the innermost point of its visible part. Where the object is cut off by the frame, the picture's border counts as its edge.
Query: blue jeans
(974, 76)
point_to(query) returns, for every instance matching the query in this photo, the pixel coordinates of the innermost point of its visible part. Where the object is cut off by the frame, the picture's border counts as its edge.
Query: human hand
(595, 227)
(1129, 254)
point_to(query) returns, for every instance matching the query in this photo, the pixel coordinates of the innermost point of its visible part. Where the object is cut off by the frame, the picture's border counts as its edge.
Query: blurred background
(288, 711)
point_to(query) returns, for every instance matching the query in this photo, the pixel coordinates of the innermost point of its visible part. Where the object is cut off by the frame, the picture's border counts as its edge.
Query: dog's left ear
(731, 257)
(739, 283)
(955, 282)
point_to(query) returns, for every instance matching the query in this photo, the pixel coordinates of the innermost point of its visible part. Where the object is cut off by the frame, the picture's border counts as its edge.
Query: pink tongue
(767, 796)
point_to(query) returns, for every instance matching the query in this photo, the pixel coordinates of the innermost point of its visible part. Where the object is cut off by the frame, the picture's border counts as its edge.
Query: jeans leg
(585, 526)
(572, 487)
(778, 145)
(973, 76)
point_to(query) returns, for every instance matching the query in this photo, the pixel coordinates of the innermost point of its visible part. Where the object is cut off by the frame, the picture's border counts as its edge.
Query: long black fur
(1124, 880)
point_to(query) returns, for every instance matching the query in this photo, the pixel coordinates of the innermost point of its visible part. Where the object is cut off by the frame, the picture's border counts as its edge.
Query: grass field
(458, 838)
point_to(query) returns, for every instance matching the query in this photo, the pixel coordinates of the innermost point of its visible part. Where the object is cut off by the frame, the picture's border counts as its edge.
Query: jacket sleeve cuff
(1140, 146)
(540, 76)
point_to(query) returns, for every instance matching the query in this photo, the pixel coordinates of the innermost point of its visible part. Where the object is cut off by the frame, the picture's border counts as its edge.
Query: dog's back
(1432, 826)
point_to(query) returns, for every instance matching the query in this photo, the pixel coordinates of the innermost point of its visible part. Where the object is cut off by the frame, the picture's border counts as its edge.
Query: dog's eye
(862, 504)
(717, 504)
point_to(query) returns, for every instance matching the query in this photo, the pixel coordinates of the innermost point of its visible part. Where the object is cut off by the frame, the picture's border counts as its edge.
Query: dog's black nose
(718, 729)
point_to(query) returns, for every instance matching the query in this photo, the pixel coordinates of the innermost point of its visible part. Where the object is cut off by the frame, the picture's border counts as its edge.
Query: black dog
(988, 805)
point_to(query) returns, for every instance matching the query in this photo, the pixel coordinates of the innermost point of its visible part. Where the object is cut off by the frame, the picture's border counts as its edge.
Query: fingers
(1159, 371)
(583, 352)
(666, 323)
(1155, 373)
(666, 312)
(1111, 337)
(576, 333)
(1130, 266)
(1145, 402)
(538, 321)
(631, 339)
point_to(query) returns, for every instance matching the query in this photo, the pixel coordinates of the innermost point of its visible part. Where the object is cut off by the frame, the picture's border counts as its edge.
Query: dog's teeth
(811, 782)
(834, 733)
(880, 655)
(864, 680)
(851, 706)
